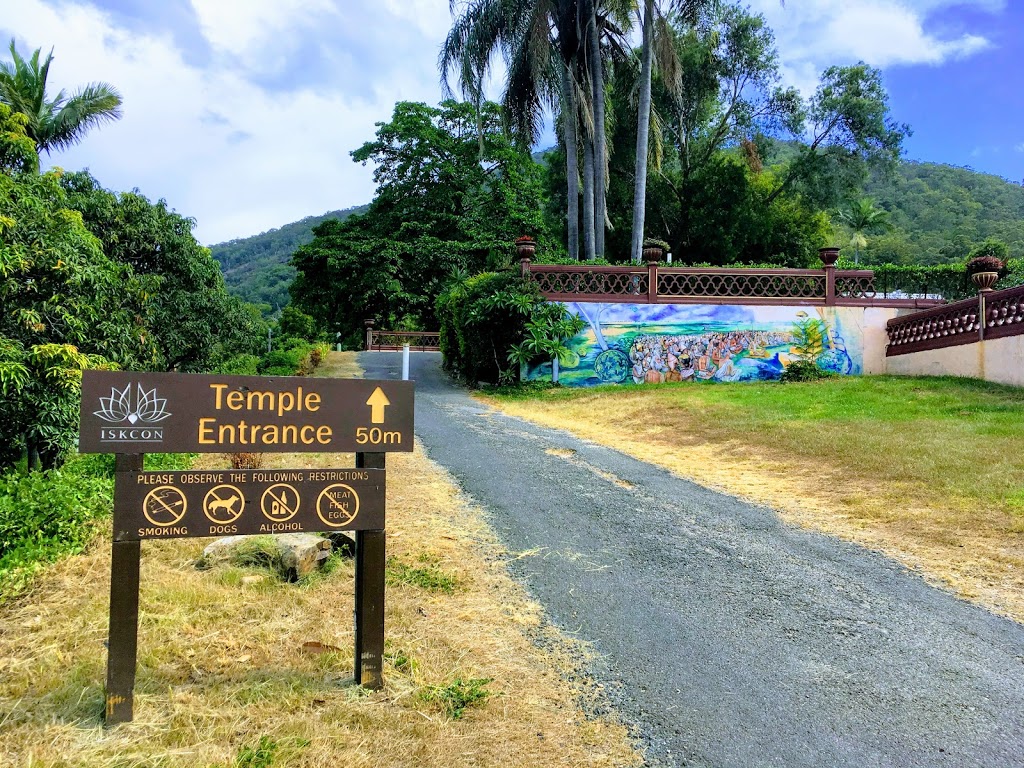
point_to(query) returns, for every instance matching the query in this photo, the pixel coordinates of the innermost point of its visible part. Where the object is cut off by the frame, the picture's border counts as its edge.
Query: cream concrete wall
(996, 360)
(875, 337)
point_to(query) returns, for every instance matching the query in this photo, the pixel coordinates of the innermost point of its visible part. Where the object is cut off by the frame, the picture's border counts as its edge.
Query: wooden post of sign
(369, 603)
(123, 637)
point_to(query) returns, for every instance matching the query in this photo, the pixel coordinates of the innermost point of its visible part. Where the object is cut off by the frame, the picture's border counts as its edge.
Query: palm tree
(60, 122)
(690, 12)
(552, 50)
(863, 216)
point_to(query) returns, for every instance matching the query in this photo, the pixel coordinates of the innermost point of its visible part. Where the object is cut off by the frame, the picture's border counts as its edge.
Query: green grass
(47, 515)
(945, 435)
(456, 696)
(429, 576)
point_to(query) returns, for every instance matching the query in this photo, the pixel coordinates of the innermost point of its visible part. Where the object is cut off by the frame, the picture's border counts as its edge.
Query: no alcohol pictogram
(337, 505)
(279, 502)
(165, 505)
(223, 504)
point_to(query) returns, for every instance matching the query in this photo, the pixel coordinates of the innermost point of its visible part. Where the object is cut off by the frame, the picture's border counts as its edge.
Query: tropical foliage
(67, 306)
(441, 207)
(194, 324)
(493, 323)
(61, 121)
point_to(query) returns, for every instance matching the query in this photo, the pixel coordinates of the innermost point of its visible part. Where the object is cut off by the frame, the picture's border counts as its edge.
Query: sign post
(130, 414)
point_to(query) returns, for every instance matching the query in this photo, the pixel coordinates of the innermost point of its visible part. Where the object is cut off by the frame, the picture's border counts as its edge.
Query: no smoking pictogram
(165, 505)
(279, 502)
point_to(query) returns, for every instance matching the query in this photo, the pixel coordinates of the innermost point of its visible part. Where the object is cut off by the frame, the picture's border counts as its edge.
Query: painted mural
(654, 343)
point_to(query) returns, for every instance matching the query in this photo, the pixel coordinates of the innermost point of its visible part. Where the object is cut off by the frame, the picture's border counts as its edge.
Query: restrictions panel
(170, 505)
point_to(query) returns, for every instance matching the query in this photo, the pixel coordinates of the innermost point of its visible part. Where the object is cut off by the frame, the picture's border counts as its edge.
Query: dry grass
(941, 492)
(226, 659)
(340, 365)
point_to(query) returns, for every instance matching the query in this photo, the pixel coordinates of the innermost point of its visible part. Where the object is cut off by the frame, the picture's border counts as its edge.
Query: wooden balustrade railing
(990, 315)
(658, 284)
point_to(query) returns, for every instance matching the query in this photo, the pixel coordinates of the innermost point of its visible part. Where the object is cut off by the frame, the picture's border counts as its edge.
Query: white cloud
(251, 126)
(212, 140)
(813, 34)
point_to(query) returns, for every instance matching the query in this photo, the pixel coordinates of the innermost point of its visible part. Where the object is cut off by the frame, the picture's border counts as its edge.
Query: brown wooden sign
(125, 412)
(168, 505)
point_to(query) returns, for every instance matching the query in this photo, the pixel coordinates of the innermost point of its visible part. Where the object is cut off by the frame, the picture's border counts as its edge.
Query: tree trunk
(572, 172)
(34, 463)
(643, 129)
(600, 152)
(588, 198)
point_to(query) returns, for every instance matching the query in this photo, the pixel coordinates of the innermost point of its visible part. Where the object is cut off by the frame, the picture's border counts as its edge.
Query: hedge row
(481, 319)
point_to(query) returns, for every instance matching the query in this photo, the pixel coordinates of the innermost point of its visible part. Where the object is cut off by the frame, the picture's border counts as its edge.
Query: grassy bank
(928, 469)
(48, 515)
(239, 668)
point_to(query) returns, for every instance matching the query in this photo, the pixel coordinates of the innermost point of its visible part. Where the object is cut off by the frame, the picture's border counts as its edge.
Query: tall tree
(439, 209)
(554, 57)
(193, 321)
(66, 306)
(62, 121)
(643, 131)
(862, 216)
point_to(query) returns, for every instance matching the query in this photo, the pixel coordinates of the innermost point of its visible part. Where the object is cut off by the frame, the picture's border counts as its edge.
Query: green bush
(482, 318)
(804, 370)
(44, 515)
(240, 365)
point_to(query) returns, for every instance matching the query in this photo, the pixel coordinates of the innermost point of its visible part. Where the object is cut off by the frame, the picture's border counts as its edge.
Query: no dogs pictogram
(223, 504)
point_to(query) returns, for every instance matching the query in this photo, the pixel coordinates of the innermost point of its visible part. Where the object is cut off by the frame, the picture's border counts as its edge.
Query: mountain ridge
(938, 212)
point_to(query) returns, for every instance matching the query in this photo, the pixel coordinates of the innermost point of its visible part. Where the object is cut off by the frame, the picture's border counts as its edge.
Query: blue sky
(241, 113)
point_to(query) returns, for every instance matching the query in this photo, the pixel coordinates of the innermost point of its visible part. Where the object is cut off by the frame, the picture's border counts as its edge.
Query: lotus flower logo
(147, 408)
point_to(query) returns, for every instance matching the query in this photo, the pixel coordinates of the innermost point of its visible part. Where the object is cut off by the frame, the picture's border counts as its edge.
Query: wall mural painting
(654, 343)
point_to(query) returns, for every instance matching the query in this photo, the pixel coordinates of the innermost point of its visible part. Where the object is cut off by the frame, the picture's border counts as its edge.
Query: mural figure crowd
(659, 358)
(643, 343)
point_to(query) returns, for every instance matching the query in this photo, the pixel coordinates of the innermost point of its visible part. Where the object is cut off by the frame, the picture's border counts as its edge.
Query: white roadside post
(405, 362)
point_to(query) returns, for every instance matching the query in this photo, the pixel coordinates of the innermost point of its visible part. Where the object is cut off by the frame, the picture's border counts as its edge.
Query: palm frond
(92, 105)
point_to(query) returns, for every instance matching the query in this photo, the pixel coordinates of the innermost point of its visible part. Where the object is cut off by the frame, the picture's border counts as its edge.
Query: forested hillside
(939, 212)
(256, 268)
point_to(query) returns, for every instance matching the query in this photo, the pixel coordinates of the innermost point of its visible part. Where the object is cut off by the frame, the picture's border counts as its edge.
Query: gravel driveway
(726, 638)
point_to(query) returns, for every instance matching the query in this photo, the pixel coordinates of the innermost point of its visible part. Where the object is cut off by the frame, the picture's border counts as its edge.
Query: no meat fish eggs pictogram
(337, 505)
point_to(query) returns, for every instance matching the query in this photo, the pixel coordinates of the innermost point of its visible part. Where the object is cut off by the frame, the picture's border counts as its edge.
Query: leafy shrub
(481, 319)
(494, 322)
(240, 365)
(804, 370)
(44, 515)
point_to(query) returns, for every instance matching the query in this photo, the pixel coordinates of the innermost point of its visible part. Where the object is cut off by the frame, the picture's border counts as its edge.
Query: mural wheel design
(835, 361)
(612, 366)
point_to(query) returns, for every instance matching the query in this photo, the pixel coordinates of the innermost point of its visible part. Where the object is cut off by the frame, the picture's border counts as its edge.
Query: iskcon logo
(136, 412)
